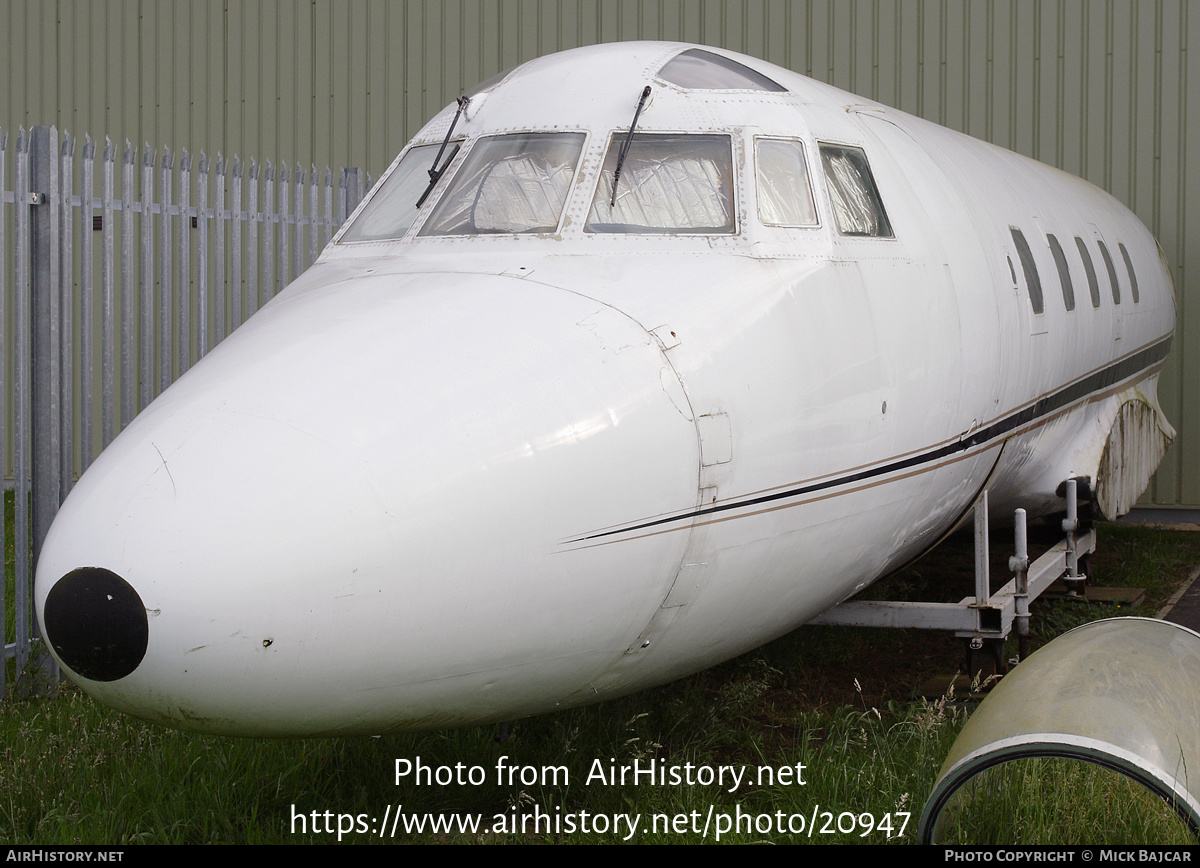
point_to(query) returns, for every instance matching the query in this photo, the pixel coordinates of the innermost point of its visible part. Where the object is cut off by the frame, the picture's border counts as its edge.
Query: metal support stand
(1019, 564)
(983, 578)
(986, 619)
(1074, 579)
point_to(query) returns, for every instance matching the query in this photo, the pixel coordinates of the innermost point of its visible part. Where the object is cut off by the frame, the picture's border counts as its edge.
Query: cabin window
(697, 69)
(784, 193)
(393, 206)
(669, 184)
(1089, 269)
(857, 208)
(1133, 287)
(509, 185)
(1030, 268)
(1112, 273)
(1064, 272)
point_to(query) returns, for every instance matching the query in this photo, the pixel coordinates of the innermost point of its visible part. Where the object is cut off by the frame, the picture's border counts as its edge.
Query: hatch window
(697, 69)
(669, 184)
(393, 207)
(509, 185)
(857, 208)
(1090, 269)
(1030, 268)
(784, 193)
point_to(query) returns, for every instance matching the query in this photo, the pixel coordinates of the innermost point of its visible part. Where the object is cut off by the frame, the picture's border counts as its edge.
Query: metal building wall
(1099, 88)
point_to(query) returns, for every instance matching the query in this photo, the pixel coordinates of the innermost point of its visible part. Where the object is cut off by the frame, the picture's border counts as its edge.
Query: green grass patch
(1058, 801)
(71, 770)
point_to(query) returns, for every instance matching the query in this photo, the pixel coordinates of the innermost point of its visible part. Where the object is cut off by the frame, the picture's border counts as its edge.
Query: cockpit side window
(509, 184)
(669, 184)
(857, 208)
(785, 195)
(393, 208)
(697, 69)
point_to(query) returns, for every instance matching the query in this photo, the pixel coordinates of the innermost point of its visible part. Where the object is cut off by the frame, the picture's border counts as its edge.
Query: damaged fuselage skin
(540, 441)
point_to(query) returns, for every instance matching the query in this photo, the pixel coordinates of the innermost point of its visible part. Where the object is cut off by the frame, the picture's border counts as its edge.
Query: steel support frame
(985, 616)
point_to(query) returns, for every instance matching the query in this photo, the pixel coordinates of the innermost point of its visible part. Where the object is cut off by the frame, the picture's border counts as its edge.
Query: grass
(73, 771)
(837, 702)
(1058, 801)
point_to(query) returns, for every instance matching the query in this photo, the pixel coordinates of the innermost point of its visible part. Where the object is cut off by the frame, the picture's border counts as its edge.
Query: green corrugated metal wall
(1099, 88)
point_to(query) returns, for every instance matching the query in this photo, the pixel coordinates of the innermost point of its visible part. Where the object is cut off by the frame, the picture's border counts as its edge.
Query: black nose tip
(96, 623)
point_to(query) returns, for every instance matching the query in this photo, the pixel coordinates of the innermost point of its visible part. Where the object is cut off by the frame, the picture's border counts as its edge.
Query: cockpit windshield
(509, 184)
(670, 184)
(394, 207)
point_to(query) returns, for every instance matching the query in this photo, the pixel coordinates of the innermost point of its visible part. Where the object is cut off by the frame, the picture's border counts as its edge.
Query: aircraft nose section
(368, 509)
(96, 623)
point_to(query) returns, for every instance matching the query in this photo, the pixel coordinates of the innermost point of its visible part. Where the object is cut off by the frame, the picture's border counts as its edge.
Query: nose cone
(96, 623)
(361, 512)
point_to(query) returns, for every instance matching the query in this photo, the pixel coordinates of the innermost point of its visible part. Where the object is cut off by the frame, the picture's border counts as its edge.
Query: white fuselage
(469, 476)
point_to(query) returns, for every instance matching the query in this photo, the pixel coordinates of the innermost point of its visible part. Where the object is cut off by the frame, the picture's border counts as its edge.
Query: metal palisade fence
(106, 299)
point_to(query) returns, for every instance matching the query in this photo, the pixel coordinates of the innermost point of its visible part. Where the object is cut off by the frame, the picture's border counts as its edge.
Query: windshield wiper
(435, 174)
(625, 147)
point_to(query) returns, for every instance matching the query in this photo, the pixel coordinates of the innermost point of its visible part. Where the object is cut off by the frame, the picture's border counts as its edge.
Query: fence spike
(185, 164)
(203, 168)
(270, 176)
(127, 158)
(220, 165)
(89, 147)
(237, 166)
(108, 150)
(167, 159)
(148, 156)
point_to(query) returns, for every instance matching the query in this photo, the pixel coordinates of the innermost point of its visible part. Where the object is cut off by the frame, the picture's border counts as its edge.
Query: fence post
(353, 191)
(47, 363)
(46, 353)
